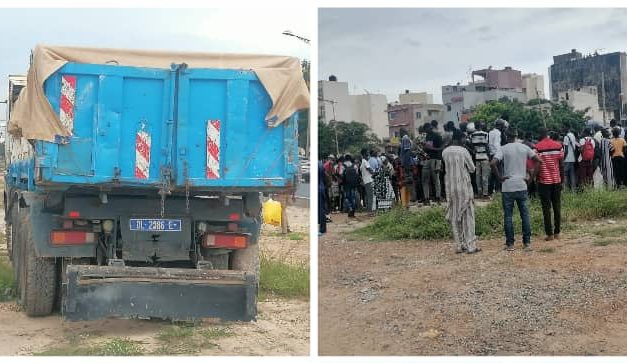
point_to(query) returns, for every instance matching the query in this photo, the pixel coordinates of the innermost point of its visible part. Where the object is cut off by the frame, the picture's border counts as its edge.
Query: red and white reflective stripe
(68, 99)
(142, 155)
(213, 149)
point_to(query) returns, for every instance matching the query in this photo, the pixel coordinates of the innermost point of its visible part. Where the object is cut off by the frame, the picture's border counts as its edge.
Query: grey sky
(207, 30)
(390, 50)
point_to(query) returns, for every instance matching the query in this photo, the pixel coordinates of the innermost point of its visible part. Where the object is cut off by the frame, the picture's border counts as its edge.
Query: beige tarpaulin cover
(34, 118)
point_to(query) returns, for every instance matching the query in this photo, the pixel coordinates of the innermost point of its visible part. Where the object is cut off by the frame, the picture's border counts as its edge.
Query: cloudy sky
(390, 50)
(207, 30)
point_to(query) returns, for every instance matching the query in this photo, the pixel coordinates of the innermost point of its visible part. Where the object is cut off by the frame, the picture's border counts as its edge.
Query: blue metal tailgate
(116, 110)
(222, 137)
(202, 128)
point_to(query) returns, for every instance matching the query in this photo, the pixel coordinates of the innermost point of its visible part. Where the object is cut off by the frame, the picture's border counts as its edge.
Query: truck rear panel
(134, 126)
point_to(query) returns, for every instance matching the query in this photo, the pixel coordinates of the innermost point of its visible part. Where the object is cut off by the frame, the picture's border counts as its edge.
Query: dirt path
(282, 326)
(568, 297)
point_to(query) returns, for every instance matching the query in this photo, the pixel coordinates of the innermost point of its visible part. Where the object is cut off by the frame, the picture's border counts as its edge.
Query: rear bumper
(96, 292)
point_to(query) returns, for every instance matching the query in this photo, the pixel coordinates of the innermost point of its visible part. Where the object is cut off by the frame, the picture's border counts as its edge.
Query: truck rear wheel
(37, 285)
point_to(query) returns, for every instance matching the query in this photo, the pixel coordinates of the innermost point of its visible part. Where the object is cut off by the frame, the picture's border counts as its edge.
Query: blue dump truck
(134, 180)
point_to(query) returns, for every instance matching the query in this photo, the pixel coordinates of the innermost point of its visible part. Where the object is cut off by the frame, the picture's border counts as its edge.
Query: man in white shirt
(494, 146)
(366, 177)
(570, 146)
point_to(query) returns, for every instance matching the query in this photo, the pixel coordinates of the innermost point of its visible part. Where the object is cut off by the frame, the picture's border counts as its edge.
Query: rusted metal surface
(96, 292)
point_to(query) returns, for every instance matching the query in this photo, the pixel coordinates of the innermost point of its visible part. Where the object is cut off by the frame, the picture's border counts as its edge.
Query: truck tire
(247, 259)
(38, 277)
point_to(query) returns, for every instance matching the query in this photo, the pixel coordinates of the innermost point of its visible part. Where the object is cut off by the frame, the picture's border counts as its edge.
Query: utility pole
(603, 95)
(540, 107)
(332, 102)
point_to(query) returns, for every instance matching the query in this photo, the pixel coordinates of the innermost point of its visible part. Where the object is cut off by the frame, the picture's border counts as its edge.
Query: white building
(459, 99)
(371, 109)
(533, 86)
(335, 103)
(408, 98)
(584, 98)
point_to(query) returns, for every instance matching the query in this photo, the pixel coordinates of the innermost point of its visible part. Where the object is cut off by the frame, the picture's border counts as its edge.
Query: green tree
(554, 115)
(351, 138)
(303, 116)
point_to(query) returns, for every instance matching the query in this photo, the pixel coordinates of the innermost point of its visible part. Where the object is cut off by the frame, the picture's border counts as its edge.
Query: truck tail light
(234, 217)
(60, 238)
(74, 214)
(230, 241)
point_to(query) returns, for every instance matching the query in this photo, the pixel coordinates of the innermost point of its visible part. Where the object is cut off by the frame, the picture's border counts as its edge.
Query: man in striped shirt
(549, 180)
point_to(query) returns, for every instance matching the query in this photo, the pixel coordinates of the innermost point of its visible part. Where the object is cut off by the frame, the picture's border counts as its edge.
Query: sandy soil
(567, 297)
(282, 326)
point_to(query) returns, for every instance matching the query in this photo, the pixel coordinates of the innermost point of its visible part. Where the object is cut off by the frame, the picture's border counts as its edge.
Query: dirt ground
(282, 326)
(567, 297)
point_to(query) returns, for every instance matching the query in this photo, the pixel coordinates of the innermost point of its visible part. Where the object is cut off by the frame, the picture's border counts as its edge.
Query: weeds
(7, 283)
(188, 339)
(279, 277)
(112, 347)
(431, 223)
(292, 236)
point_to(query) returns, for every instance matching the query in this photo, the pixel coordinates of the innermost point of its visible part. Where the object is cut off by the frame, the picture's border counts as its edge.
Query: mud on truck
(134, 179)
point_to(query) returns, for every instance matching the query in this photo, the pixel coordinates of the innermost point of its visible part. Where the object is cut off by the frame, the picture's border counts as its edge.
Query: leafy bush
(431, 223)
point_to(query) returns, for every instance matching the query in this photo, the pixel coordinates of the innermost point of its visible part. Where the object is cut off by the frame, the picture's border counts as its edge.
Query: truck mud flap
(96, 292)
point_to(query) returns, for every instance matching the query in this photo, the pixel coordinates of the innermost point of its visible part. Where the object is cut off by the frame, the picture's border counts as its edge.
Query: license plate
(156, 225)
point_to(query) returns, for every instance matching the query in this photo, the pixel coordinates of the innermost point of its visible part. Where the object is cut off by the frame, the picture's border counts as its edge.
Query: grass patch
(547, 250)
(609, 241)
(431, 223)
(292, 236)
(7, 283)
(613, 232)
(111, 347)
(216, 333)
(188, 339)
(278, 277)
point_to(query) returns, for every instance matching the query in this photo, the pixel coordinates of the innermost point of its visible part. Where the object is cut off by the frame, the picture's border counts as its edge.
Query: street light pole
(334, 122)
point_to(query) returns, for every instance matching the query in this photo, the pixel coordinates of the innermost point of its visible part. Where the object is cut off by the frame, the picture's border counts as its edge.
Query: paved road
(302, 191)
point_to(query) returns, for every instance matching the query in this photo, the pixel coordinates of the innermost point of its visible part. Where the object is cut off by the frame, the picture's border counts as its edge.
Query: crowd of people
(463, 164)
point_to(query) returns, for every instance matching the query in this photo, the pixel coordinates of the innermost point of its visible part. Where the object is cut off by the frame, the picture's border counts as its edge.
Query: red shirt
(551, 153)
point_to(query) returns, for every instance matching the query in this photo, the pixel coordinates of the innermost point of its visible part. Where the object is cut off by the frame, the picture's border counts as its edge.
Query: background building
(415, 97)
(370, 109)
(584, 98)
(335, 103)
(410, 117)
(533, 86)
(459, 100)
(606, 72)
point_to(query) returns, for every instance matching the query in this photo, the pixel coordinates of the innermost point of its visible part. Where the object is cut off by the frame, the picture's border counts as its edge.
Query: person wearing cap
(514, 180)
(460, 207)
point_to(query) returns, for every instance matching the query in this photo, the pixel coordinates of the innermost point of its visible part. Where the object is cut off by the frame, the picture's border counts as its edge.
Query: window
(433, 112)
(392, 115)
(418, 114)
(448, 107)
